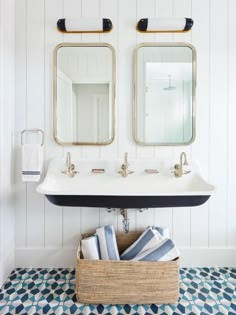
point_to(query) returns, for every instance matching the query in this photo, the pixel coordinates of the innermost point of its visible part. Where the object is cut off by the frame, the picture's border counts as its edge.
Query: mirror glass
(164, 94)
(84, 94)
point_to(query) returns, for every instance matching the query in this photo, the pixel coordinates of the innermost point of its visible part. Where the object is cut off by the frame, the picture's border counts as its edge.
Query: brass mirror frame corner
(194, 85)
(55, 92)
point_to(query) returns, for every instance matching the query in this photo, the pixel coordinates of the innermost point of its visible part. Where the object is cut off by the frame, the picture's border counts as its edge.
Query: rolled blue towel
(90, 248)
(165, 251)
(107, 243)
(147, 240)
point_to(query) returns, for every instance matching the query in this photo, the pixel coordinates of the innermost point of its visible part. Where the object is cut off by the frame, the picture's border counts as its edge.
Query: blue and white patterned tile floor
(51, 291)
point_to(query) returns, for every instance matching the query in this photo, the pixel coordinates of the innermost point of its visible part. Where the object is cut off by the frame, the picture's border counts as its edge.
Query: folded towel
(148, 239)
(107, 243)
(90, 248)
(164, 231)
(165, 251)
(32, 162)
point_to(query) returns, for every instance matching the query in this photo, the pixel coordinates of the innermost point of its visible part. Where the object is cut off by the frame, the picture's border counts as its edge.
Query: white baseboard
(208, 257)
(7, 264)
(190, 257)
(45, 258)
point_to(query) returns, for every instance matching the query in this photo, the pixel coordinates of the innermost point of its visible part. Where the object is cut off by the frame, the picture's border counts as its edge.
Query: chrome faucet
(178, 168)
(124, 167)
(70, 168)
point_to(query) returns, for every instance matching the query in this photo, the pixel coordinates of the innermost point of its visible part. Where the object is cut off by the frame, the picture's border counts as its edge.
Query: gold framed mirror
(84, 94)
(164, 101)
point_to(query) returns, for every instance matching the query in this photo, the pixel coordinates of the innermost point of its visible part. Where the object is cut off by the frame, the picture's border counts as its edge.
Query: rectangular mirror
(84, 94)
(164, 94)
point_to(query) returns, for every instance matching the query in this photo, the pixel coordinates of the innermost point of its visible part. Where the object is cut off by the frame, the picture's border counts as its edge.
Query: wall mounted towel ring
(32, 130)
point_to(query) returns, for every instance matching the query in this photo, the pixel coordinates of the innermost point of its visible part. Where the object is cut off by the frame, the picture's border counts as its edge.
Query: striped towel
(148, 240)
(32, 162)
(90, 248)
(165, 251)
(107, 243)
(164, 231)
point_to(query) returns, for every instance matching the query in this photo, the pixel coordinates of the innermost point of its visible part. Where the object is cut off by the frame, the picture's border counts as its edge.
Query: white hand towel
(32, 162)
(107, 243)
(89, 247)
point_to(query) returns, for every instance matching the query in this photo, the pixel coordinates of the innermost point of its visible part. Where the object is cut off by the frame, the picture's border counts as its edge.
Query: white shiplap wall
(46, 235)
(6, 137)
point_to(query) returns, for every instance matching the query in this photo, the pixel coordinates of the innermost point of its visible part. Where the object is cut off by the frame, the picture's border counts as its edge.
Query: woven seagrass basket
(126, 282)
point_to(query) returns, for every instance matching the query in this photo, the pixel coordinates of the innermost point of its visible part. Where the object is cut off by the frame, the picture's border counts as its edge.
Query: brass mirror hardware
(178, 168)
(164, 94)
(84, 90)
(70, 168)
(124, 172)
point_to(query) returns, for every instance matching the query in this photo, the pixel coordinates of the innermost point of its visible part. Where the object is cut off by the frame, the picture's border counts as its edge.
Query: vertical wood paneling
(126, 44)
(200, 147)
(181, 216)
(53, 215)
(53, 226)
(90, 219)
(145, 218)
(231, 170)
(108, 218)
(72, 216)
(20, 120)
(71, 227)
(35, 112)
(108, 9)
(90, 8)
(145, 152)
(218, 121)
(163, 9)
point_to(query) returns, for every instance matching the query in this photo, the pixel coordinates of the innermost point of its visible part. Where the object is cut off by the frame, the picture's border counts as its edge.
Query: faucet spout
(124, 167)
(68, 159)
(126, 160)
(70, 168)
(178, 168)
(183, 155)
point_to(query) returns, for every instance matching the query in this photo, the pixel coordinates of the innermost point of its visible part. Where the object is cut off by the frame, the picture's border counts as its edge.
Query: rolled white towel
(164, 251)
(107, 243)
(147, 240)
(90, 248)
(164, 231)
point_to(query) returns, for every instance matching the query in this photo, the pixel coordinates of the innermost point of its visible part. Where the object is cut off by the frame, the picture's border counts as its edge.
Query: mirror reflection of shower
(170, 87)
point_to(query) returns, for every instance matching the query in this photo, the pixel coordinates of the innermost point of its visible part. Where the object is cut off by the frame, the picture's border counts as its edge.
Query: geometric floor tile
(51, 291)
